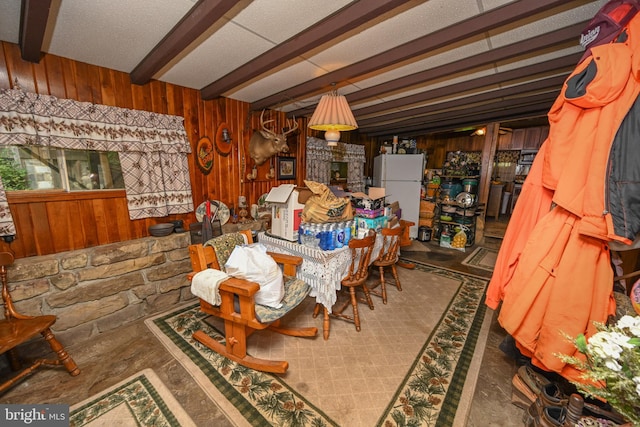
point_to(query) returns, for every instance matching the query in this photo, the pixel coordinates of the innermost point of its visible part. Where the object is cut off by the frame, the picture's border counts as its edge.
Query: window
(339, 173)
(42, 168)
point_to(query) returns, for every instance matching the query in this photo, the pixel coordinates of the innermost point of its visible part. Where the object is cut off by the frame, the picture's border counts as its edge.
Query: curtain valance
(33, 119)
(152, 147)
(320, 156)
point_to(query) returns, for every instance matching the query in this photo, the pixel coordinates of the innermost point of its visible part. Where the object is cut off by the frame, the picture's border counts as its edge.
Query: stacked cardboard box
(427, 212)
(369, 211)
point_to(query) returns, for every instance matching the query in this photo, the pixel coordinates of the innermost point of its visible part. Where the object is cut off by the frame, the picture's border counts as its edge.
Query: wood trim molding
(30, 196)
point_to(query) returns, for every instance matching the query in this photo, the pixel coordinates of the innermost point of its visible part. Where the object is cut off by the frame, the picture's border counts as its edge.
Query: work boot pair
(546, 405)
(553, 408)
(571, 415)
(527, 384)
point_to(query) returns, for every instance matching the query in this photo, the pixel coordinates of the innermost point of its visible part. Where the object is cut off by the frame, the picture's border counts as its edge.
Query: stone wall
(98, 289)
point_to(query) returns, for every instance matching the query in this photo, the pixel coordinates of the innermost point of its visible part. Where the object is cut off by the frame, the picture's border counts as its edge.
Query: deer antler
(294, 128)
(263, 123)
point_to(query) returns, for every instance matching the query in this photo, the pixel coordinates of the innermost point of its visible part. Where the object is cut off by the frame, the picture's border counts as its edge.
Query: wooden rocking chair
(241, 314)
(16, 329)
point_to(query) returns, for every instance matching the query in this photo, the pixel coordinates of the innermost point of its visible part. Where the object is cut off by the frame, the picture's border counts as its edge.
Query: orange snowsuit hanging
(553, 272)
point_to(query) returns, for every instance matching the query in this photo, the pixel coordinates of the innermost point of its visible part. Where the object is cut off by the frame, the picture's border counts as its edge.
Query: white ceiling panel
(125, 35)
(563, 18)
(216, 57)
(10, 21)
(112, 33)
(277, 21)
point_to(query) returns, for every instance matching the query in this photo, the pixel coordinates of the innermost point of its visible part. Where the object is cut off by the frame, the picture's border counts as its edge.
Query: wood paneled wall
(49, 222)
(437, 146)
(52, 222)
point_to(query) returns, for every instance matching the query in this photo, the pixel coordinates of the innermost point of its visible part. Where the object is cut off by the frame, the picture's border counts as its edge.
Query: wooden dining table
(322, 270)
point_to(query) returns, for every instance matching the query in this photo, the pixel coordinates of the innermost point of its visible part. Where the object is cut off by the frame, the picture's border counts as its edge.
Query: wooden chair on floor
(406, 241)
(241, 314)
(388, 257)
(16, 329)
(358, 273)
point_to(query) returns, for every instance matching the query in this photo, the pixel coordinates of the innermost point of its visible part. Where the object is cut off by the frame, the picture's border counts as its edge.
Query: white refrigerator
(401, 175)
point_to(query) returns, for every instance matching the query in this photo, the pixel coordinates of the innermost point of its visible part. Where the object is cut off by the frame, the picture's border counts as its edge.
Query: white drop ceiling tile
(435, 85)
(561, 19)
(402, 28)
(492, 4)
(547, 56)
(280, 20)
(291, 105)
(215, 57)
(10, 20)
(221, 53)
(444, 57)
(112, 33)
(276, 82)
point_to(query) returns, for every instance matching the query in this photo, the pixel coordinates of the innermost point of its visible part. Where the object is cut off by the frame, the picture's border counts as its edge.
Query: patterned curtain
(320, 156)
(152, 147)
(7, 227)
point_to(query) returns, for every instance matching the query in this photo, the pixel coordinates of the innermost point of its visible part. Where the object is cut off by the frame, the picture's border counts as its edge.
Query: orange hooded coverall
(553, 272)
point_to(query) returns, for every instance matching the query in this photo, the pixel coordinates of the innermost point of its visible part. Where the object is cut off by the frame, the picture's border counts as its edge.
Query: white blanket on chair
(205, 284)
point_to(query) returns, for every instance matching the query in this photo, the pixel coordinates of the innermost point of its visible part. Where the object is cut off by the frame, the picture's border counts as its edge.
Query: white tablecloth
(322, 270)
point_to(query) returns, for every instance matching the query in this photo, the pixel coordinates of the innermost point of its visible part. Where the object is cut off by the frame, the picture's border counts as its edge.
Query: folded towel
(205, 285)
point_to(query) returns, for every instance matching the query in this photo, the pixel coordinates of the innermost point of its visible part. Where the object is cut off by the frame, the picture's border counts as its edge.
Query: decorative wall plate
(222, 213)
(223, 147)
(204, 155)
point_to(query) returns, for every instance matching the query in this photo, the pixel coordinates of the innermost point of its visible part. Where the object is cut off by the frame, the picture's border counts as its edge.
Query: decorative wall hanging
(223, 140)
(286, 168)
(320, 156)
(265, 143)
(204, 155)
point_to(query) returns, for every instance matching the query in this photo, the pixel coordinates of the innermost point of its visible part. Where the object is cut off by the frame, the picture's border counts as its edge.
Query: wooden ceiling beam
(564, 63)
(488, 107)
(548, 84)
(330, 28)
(199, 19)
(461, 117)
(490, 57)
(465, 29)
(34, 15)
(526, 111)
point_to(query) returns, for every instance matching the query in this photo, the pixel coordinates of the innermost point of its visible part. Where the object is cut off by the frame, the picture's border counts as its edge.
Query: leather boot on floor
(526, 384)
(570, 415)
(551, 395)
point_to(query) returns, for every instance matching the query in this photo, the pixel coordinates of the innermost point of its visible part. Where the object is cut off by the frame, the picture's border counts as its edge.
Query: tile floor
(126, 351)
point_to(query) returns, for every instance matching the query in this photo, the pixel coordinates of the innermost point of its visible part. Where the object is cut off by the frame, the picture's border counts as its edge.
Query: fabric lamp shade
(333, 115)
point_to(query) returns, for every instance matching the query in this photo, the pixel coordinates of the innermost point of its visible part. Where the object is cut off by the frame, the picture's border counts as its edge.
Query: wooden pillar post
(488, 154)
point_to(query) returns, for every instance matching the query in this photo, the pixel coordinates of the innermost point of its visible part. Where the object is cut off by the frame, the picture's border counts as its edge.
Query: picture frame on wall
(286, 167)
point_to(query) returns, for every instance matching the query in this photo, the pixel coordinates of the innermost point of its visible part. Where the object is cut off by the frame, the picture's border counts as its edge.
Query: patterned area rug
(482, 258)
(140, 400)
(409, 365)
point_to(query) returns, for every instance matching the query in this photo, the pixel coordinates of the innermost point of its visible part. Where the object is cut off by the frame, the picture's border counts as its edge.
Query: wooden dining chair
(238, 309)
(358, 273)
(405, 240)
(16, 329)
(388, 258)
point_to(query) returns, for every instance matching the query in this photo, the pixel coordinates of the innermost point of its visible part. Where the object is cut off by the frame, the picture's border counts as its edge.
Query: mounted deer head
(265, 143)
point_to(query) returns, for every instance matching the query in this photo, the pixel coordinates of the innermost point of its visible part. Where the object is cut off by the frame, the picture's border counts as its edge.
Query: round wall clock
(223, 140)
(204, 155)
